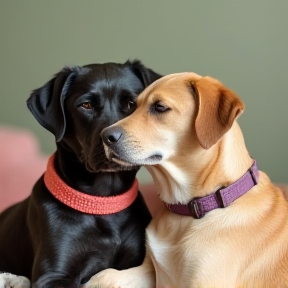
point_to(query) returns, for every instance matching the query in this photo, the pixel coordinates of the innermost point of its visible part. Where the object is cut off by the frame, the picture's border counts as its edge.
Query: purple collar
(199, 206)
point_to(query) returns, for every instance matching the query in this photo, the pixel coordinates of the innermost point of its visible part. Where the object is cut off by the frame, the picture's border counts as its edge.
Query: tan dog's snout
(121, 148)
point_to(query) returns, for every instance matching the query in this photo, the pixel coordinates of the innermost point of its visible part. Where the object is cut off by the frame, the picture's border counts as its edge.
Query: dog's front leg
(8, 280)
(142, 276)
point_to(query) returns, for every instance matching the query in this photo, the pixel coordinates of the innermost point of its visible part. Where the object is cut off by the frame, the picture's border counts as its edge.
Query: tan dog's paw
(8, 280)
(111, 278)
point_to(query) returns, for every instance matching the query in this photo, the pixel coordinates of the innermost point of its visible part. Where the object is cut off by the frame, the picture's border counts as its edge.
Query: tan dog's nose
(111, 135)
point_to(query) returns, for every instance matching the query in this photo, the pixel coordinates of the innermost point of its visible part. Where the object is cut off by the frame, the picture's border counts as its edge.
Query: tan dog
(184, 129)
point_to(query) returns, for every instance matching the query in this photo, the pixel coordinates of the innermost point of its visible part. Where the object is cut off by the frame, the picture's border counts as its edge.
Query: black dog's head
(81, 101)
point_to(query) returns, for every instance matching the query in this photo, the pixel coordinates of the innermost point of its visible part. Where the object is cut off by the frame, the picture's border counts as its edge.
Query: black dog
(43, 239)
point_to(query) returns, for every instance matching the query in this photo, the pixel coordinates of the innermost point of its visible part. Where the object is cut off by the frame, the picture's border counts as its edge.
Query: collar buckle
(195, 208)
(219, 198)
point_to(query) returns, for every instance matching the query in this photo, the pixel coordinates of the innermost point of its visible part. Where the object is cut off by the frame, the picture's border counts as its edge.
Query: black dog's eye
(160, 108)
(131, 105)
(87, 105)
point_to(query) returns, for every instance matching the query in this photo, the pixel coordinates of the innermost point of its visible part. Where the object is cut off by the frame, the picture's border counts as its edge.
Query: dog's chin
(109, 167)
(130, 162)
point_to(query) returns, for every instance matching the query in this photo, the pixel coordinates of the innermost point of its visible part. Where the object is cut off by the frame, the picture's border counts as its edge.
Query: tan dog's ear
(218, 107)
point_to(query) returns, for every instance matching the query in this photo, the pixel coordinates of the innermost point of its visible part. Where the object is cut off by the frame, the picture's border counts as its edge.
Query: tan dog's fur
(202, 149)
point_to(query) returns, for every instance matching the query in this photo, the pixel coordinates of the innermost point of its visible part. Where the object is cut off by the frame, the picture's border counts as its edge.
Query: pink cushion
(21, 164)
(152, 200)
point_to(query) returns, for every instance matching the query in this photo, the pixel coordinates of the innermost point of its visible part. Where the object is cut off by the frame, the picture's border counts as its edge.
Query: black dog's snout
(111, 135)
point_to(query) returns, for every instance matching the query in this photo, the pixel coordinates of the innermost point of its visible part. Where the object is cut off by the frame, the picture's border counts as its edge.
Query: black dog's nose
(111, 135)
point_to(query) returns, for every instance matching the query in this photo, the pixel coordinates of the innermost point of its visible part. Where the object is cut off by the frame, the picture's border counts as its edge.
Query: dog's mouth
(114, 157)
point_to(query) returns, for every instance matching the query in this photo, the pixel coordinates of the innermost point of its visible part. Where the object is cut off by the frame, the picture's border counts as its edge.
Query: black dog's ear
(47, 102)
(146, 75)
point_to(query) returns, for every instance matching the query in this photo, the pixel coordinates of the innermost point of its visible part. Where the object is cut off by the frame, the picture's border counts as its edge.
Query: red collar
(83, 202)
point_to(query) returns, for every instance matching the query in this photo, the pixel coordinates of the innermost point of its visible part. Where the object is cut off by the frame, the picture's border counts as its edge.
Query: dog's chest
(187, 258)
(165, 243)
(169, 258)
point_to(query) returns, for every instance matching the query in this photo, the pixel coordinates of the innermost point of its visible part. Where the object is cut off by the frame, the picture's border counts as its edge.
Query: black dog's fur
(48, 242)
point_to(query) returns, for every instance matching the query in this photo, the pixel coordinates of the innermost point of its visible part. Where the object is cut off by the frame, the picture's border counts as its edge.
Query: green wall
(242, 43)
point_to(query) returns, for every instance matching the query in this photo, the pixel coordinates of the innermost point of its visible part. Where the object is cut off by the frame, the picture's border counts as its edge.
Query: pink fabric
(83, 202)
(21, 164)
(150, 194)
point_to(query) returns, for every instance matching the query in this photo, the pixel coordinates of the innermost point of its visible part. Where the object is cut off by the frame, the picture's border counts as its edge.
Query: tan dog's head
(178, 114)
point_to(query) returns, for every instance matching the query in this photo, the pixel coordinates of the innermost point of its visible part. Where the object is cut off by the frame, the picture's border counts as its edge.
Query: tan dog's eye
(86, 105)
(160, 108)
